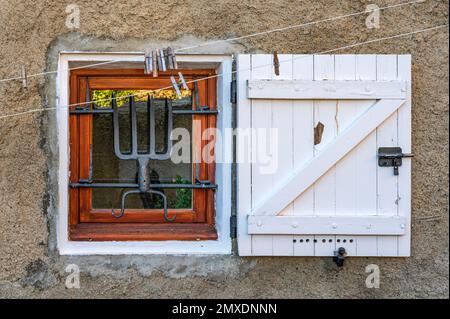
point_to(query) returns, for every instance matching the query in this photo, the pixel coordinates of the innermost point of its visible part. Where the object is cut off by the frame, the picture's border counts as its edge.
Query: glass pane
(107, 168)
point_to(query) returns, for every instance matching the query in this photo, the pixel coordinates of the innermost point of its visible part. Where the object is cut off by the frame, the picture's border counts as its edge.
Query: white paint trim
(327, 225)
(325, 90)
(303, 177)
(223, 171)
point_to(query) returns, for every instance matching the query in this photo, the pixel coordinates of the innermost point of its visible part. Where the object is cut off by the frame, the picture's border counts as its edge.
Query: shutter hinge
(233, 226)
(233, 91)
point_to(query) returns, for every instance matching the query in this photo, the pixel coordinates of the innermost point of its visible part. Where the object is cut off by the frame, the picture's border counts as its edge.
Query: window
(99, 180)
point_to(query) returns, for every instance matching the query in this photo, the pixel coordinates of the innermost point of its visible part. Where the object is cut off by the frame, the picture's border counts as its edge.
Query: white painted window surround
(223, 64)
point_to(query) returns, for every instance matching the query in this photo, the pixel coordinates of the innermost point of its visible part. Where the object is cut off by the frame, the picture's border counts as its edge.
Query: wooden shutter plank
(324, 187)
(282, 121)
(366, 162)
(387, 182)
(303, 151)
(243, 154)
(327, 225)
(325, 112)
(324, 245)
(262, 245)
(346, 174)
(347, 112)
(325, 90)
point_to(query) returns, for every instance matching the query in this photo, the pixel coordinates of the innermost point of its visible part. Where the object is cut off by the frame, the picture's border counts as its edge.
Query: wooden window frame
(87, 224)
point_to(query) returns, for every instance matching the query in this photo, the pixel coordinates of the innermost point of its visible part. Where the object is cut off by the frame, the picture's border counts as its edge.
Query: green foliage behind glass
(183, 198)
(102, 98)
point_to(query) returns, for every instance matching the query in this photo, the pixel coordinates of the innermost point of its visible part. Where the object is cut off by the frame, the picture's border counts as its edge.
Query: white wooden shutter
(334, 194)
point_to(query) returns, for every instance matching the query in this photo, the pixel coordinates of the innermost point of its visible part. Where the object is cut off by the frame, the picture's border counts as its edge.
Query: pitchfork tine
(116, 127)
(122, 207)
(116, 130)
(133, 121)
(151, 128)
(126, 194)
(148, 123)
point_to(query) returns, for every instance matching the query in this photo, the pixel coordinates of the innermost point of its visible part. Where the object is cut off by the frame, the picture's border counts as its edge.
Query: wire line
(235, 71)
(230, 39)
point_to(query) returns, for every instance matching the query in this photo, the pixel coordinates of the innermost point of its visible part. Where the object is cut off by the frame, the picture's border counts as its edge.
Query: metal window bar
(143, 185)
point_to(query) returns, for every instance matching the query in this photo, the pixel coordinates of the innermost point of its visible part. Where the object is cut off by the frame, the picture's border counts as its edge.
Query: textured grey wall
(34, 31)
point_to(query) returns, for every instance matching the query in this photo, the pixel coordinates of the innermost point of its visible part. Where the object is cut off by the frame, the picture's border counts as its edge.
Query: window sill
(142, 232)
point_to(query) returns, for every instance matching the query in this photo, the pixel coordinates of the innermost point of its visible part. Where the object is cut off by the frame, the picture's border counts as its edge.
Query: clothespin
(168, 53)
(162, 60)
(148, 63)
(24, 77)
(155, 64)
(175, 86)
(183, 82)
(158, 60)
(276, 63)
(175, 63)
(172, 58)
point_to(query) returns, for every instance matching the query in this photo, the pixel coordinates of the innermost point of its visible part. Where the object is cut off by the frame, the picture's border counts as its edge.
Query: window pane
(107, 168)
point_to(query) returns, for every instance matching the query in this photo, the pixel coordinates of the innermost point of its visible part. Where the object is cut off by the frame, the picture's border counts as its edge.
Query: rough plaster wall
(33, 32)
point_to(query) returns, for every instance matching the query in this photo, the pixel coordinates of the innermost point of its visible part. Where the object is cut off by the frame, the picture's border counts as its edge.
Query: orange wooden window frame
(91, 224)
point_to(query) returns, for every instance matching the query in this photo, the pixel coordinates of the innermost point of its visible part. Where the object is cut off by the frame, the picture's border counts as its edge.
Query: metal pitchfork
(144, 185)
(142, 158)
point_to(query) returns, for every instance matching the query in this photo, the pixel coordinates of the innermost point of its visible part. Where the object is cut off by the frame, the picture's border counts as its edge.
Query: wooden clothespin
(175, 63)
(172, 58)
(158, 60)
(183, 82)
(175, 86)
(169, 61)
(162, 60)
(276, 63)
(155, 64)
(148, 63)
(24, 77)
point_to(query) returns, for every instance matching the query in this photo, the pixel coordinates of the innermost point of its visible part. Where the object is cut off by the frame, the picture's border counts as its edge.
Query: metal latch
(391, 157)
